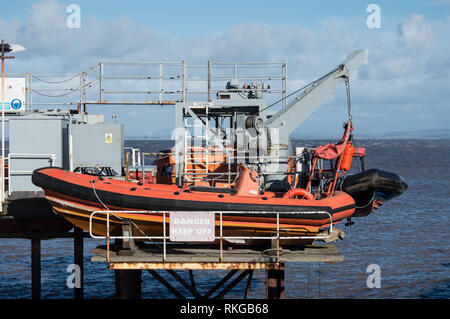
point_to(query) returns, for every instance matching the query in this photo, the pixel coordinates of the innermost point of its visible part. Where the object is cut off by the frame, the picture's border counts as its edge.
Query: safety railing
(166, 218)
(50, 157)
(137, 159)
(151, 83)
(135, 154)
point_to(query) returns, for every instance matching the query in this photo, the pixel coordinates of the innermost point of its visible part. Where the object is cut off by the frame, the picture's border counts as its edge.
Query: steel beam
(194, 265)
(166, 284)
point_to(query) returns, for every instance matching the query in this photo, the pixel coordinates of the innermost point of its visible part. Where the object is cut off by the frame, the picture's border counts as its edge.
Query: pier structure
(128, 256)
(240, 262)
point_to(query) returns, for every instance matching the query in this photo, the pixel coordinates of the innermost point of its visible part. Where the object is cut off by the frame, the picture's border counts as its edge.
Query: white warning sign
(14, 95)
(192, 226)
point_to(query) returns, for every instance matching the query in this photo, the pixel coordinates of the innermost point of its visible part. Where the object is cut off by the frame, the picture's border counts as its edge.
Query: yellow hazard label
(108, 138)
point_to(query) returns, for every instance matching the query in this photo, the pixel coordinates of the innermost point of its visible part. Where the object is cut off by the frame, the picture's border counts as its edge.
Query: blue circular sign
(16, 104)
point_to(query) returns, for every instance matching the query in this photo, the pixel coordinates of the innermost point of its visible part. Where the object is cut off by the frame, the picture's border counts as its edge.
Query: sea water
(405, 243)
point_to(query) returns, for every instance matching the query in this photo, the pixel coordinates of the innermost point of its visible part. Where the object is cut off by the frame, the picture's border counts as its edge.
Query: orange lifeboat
(75, 196)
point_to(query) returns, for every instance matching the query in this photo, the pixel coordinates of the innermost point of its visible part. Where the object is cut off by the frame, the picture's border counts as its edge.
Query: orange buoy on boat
(298, 191)
(347, 157)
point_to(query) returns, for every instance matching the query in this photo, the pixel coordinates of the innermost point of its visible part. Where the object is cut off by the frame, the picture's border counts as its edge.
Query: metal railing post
(26, 92)
(107, 236)
(31, 92)
(160, 82)
(81, 89)
(184, 81)
(278, 236)
(127, 166)
(221, 238)
(284, 83)
(164, 236)
(133, 159)
(209, 81)
(143, 170)
(100, 85)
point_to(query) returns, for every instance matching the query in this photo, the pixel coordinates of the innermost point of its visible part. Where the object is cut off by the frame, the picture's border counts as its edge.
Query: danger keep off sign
(191, 226)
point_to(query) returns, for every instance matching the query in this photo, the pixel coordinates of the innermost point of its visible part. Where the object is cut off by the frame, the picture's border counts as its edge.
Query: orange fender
(298, 191)
(347, 157)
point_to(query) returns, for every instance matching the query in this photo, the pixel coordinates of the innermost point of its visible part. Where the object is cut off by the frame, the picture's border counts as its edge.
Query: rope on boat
(370, 202)
(95, 192)
(358, 207)
(118, 217)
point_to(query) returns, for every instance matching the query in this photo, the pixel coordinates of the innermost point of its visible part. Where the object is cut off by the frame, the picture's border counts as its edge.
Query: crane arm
(290, 117)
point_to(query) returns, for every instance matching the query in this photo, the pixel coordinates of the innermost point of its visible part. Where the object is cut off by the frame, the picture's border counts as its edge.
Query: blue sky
(404, 86)
(181, 18)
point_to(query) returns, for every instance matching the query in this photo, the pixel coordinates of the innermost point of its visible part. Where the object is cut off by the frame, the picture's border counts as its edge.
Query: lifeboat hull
(76, 196)
(371, 189)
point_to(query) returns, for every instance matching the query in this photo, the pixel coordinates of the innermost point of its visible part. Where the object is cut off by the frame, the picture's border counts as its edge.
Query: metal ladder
(191, 152)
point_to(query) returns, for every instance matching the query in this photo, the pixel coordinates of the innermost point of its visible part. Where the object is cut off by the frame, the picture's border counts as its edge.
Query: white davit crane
(290, 117)
(283, 123)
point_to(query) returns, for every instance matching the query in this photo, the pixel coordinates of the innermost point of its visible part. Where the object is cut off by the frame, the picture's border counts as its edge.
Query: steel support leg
(275, 283)
(79, 259)
(36, 268)
(128, 284)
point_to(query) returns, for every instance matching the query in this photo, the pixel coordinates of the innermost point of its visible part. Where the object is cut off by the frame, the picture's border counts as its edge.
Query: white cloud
(416, 31)
(407, 67)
